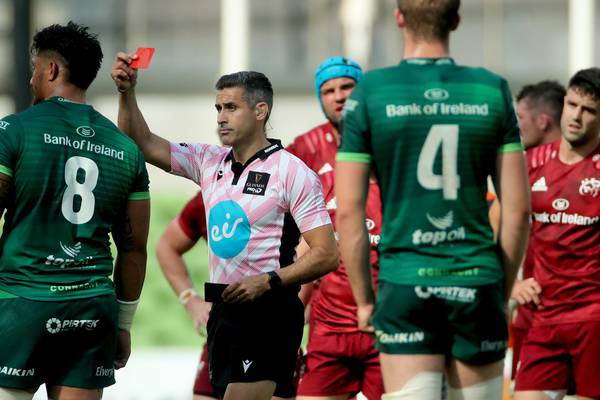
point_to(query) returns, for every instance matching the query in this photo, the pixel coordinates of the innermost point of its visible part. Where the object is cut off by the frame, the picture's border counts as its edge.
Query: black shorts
(256, 341)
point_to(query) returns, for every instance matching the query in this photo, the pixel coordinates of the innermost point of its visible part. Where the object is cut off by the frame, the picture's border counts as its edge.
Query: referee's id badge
(256, 183)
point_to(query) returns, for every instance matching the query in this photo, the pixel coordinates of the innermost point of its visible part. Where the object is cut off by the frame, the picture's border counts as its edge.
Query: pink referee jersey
(256, 211)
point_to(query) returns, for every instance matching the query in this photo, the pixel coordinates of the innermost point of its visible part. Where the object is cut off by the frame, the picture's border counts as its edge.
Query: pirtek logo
(55, 325)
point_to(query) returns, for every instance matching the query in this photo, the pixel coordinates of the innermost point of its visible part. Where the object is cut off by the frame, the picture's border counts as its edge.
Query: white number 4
(445, 136)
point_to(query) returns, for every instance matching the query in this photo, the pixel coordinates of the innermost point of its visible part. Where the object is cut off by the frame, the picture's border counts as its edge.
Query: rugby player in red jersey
(562, 346)
(341, 360)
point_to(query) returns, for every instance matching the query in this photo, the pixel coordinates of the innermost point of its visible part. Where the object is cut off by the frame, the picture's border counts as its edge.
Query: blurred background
(198, 40)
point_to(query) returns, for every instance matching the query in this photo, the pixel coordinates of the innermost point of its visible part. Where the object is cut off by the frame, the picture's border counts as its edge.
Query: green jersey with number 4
(432, 131)
(73, 173)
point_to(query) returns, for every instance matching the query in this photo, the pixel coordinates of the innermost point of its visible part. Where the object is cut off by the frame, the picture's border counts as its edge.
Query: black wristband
(274, 280)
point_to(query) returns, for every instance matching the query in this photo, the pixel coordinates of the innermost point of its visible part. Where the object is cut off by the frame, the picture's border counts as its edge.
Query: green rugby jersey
(432, 130)
(73, 173)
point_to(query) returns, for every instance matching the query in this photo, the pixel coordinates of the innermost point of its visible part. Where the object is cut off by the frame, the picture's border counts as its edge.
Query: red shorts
(343, 363)
(556, 356)
(517, 336)
(202, 384)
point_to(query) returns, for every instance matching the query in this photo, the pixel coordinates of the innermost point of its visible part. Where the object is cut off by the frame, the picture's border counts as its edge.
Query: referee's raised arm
(130, 119)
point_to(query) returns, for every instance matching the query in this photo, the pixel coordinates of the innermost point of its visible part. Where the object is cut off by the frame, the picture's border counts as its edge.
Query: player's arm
(513, 194)
(351, 188)
(130, 119)
(130, 237)
(171, 247)
(5, 187)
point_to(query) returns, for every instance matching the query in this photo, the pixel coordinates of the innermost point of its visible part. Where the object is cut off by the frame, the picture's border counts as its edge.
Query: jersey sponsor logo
(85, 145)
(331, 204)
(12, 371)
(349, 106)
(436, 94)
(325, 169)
(373, 239)
(85, 131)
(229, 229)
(4, 125)
(73, 288)
(433, 238)
(560, 204)
(55, 325)
(101, 371)
(400, 337)
(439, 272)
(246, 364)
(256, 183)
(497, 345)
(415, 109)
(590, 186)
(539, 185)
(564, 218)
(73, 252)
(449, 293)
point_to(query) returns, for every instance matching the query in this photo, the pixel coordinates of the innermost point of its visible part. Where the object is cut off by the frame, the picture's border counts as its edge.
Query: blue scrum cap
(336, 67)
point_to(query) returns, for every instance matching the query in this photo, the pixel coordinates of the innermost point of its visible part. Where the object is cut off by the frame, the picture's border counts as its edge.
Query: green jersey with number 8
(73, 173)
(432, 131)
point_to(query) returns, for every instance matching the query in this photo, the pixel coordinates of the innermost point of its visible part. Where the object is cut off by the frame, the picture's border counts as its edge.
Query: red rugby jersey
(333, 309)
(192, 218)
(564, 245)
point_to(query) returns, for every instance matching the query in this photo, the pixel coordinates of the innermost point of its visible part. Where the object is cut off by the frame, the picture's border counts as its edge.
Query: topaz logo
(590, 186)
(85, 131)
(229, 229)
(560, 204)
(444, 222)
(53, 325)
(436, 94)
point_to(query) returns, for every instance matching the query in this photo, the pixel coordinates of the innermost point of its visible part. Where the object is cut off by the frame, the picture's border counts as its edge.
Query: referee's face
(237, 122)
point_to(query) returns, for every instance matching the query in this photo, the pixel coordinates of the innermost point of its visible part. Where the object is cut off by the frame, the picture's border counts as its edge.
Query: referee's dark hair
(257, 87)
(79, 49)
(587, 82)
(546, 96)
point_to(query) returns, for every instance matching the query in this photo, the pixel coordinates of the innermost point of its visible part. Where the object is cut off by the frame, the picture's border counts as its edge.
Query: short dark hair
(547, 96)
(587, 81)
(79, 49)
(430, 19)
(256, 85)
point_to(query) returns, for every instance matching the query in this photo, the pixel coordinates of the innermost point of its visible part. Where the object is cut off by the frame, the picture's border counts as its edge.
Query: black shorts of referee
(256, 341)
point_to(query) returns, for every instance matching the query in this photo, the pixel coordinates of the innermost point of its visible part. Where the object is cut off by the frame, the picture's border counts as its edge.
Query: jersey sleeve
(192, 219)
(509, 139)
(304, 197)
(356, 144)
(187, 160)
(141, 185)
(10, 142)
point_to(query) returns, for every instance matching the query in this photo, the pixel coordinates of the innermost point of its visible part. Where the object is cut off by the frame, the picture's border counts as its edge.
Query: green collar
(428, 61)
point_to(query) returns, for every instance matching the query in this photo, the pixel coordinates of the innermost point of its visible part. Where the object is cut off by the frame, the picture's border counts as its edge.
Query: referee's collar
(263, 154)
(428, 61)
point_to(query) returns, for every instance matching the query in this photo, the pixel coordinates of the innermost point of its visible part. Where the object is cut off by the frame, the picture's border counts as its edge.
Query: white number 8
(83, 189)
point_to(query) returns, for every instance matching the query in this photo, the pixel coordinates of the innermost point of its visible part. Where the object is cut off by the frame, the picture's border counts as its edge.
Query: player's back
(72, 174)
(434, 129)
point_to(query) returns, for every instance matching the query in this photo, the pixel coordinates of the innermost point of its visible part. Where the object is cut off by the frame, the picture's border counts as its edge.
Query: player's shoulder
(289, 163)
(9, 123)
(479, 74)
(312, 142)
(540, 155)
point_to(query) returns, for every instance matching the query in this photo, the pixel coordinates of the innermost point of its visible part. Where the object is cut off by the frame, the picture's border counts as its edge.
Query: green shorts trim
(464, 322)
(70, 343)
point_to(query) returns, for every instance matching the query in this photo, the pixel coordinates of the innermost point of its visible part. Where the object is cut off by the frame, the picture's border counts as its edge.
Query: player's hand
(527, 292)
(123, 348)
(363, 314)
(124, 76)
(198, 310)
(247, 289)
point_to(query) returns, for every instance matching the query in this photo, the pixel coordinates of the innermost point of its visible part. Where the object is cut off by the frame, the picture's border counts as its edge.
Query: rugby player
(68, 178)
(433, 131)
(341, 360)
(259, 199)
(562, 345)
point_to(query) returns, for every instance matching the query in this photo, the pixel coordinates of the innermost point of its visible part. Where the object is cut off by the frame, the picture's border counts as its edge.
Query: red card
(144, 57)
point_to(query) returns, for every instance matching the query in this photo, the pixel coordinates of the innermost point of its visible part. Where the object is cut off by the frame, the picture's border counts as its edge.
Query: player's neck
(244, 150)
(419, 48)
(69, 92)
(570, 154)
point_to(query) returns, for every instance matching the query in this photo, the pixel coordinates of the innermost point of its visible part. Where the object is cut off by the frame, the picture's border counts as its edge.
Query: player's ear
(53, 70)
(261, 110)
(399, 18)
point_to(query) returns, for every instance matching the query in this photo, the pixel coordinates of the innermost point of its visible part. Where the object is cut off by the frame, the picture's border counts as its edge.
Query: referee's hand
(247, 289)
